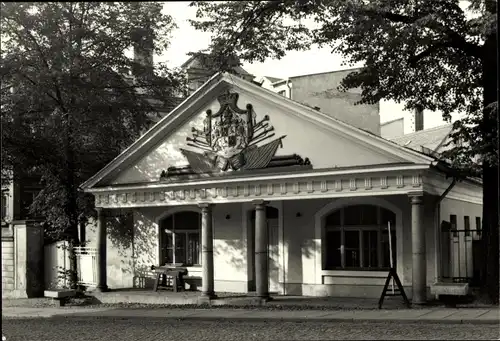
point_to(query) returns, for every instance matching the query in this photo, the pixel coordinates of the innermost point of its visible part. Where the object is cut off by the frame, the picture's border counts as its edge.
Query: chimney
(419, 119)
(143, 45)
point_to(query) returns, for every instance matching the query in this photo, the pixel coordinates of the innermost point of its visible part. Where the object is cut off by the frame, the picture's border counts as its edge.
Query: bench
(163, 275)
(60, 295)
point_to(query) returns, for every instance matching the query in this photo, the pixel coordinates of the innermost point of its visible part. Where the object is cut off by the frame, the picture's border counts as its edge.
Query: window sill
(356, 273)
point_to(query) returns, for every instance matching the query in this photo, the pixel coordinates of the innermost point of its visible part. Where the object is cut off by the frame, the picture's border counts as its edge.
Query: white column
(207, 254)
(419, 265)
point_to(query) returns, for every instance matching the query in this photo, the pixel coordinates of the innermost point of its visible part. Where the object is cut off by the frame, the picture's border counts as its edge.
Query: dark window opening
(357, 238)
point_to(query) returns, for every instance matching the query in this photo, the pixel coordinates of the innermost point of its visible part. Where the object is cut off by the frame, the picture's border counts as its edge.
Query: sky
(186, 39)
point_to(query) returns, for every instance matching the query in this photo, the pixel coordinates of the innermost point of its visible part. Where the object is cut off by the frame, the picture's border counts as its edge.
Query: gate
(460, 250)
(86, 260)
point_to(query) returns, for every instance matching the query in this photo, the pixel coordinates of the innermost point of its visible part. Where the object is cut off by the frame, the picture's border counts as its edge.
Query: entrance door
(274, 255)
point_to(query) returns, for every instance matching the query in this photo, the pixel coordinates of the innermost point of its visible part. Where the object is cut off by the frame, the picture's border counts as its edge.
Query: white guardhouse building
(254, 192)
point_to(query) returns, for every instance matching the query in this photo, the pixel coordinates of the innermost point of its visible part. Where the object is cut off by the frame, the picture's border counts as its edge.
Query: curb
(266, 319)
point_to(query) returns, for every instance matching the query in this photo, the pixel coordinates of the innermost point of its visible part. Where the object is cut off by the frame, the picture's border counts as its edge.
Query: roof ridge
(450, 125)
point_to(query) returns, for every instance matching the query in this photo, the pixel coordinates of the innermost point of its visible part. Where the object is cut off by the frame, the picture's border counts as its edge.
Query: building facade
(254, 192)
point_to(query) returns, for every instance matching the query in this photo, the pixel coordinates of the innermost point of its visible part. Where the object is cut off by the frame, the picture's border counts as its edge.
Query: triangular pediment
(231, 125)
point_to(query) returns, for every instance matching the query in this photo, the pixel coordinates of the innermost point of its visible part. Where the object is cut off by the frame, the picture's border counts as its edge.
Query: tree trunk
(490, 277)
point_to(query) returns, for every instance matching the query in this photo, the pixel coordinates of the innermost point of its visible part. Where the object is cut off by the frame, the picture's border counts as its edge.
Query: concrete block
(58, 294)
(454, 289)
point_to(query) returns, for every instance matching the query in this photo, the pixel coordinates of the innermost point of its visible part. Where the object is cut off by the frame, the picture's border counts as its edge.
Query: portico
(351, 187)
(311, 212)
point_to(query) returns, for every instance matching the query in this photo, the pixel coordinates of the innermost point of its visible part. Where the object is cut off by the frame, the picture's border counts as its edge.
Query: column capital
(205, 205)
(260, 202)
(416, 197)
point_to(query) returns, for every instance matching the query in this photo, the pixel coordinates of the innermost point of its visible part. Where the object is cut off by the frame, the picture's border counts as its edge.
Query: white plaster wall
(230, 252)
(299, 243)
(119, 258)
(324, 150)
(392, 129)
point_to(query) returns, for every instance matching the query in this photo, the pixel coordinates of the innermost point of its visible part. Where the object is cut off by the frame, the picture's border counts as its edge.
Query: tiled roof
(433, 138)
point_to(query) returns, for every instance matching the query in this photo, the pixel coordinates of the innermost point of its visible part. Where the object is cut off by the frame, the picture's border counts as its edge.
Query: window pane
(333, 219)
(193, 248)
(478, 226)
(180, 248)
(187, 220)
(360, 215)
(167, 224)
(168, 248)
(351, 239)
(370, 249)
(333, 258)
(467, 225)
(351, 248)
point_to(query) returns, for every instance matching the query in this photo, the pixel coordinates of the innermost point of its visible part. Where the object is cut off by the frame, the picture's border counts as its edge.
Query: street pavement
(87, 328)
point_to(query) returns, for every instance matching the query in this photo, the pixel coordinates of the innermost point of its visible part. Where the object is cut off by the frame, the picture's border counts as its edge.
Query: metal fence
(86, 258)
(461, 254)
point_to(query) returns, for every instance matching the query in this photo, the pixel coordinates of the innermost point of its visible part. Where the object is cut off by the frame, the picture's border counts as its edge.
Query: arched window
(181, 232)
(357, 238)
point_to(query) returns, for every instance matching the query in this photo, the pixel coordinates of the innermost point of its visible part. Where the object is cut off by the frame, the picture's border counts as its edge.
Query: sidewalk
(451, 316)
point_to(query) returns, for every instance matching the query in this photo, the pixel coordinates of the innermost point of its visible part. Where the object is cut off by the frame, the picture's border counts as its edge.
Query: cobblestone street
(143, 328)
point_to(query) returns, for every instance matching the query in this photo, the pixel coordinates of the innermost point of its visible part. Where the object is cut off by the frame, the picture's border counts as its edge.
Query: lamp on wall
(228, 217)
(298, 214)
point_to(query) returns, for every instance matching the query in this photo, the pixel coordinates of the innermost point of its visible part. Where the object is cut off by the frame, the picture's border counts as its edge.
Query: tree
(69, 105)
(435, 55)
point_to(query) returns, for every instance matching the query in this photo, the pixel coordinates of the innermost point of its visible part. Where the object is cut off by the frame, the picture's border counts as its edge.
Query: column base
(206, 298)
(419, 303)
(209, 295)
(102, 288)
(261, 297)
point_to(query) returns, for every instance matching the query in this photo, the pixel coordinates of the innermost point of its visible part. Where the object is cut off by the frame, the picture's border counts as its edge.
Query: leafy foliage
(427, 54)
(69, 104)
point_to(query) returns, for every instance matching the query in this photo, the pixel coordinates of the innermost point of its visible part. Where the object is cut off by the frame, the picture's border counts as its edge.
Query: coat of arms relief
(232, 139)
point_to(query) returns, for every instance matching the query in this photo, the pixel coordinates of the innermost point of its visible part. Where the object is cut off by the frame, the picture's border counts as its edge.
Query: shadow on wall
(233, 252)
(145, 247)
(120, 235)
(166, 154)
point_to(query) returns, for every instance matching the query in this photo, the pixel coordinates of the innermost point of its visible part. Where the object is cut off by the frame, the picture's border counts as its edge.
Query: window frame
(479, 227)
(379, 228)
(174, 232)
